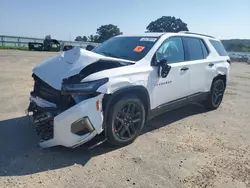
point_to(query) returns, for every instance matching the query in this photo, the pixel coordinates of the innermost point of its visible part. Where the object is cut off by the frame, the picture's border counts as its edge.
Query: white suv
(123, 82)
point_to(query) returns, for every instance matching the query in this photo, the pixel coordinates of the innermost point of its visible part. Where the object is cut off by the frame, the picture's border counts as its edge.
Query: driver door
(176, 84)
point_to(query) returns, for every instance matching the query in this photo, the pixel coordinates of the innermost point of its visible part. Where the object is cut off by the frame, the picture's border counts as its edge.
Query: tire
(216, 94)
(125, 121)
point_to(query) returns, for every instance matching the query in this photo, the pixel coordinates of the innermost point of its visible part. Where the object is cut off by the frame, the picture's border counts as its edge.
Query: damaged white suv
(123, 82)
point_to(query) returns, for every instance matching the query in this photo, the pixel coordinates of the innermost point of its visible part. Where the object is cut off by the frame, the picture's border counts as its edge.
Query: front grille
(45, 91)
(46, 131)
(44, 126)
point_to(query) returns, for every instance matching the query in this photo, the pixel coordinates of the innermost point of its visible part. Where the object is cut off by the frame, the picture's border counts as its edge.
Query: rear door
(196, 55)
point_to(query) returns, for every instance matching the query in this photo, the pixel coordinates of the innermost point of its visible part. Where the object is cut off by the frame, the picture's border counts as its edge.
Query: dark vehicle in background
(90, 47)
(47, 45)
(67, 47)
(51, 45)
(35, 46)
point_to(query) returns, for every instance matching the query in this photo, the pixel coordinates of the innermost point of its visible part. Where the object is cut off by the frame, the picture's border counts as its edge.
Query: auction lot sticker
(139, 49)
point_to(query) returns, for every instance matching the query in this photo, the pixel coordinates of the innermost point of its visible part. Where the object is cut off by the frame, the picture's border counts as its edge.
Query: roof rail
(187, 32)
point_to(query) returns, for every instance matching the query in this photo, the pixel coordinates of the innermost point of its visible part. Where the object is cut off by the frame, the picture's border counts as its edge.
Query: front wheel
(125, 120)
(216, 95)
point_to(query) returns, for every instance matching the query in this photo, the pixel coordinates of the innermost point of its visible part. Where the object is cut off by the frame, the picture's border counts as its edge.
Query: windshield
(129, 48)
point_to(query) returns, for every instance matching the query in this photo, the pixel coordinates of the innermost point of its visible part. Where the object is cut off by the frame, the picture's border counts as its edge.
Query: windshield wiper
(109, 54)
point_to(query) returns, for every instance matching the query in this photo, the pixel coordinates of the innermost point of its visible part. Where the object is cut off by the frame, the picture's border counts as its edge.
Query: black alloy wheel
(125, 120)
(218, 92)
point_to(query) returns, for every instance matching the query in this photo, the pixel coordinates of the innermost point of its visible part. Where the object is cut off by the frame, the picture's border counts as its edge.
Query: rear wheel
(216, 95)
(125, 120)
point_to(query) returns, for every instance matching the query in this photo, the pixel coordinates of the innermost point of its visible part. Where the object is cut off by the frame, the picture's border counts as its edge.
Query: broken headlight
(84, 86)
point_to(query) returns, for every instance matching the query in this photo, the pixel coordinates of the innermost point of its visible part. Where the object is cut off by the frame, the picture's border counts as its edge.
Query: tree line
(237, 45)
(102, 33)
(163, 24)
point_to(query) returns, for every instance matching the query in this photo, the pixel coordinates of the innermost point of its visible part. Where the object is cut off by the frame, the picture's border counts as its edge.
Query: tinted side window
(219, 47)
(204, 49)
(171, 50)
(194, 48)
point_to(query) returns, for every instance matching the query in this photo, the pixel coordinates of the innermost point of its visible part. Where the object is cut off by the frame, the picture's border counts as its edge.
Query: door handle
(184, 69)
(210, 64)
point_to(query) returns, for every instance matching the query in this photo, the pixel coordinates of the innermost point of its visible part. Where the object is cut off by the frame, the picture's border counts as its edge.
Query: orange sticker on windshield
(139, 49)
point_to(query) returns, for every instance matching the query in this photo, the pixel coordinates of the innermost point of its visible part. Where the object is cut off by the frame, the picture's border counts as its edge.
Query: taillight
(229, 61)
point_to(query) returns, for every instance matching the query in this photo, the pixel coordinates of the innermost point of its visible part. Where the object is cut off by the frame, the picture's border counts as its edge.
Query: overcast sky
(65, 19)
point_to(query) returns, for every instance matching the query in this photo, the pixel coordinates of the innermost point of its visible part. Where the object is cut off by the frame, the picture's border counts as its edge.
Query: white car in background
(248, 61)
(117, 86)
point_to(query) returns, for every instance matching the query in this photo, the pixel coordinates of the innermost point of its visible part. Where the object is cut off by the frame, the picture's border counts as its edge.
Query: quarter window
(219, 47)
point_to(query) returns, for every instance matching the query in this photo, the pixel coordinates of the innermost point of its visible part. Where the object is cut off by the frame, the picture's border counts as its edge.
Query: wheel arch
(223, 77)
(140, 91)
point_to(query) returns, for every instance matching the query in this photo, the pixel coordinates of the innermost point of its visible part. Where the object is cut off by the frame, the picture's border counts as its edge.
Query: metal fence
(16, 41)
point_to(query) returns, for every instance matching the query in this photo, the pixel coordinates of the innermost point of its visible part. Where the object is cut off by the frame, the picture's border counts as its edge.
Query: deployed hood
(67, 64)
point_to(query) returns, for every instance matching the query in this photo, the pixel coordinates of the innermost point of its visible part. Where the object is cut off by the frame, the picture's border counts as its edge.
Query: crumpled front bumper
(62, 132)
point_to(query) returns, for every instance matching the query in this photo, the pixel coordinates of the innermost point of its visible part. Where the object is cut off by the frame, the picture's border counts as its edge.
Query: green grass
(245, 49)
(13, 48)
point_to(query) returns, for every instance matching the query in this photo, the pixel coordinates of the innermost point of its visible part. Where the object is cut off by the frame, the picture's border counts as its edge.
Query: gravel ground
(187, 147)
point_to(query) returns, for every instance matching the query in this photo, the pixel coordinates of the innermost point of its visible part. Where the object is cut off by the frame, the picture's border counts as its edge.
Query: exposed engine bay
(56, 102)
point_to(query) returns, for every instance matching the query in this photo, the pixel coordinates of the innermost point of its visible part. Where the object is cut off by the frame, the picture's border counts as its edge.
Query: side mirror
(163, 68)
